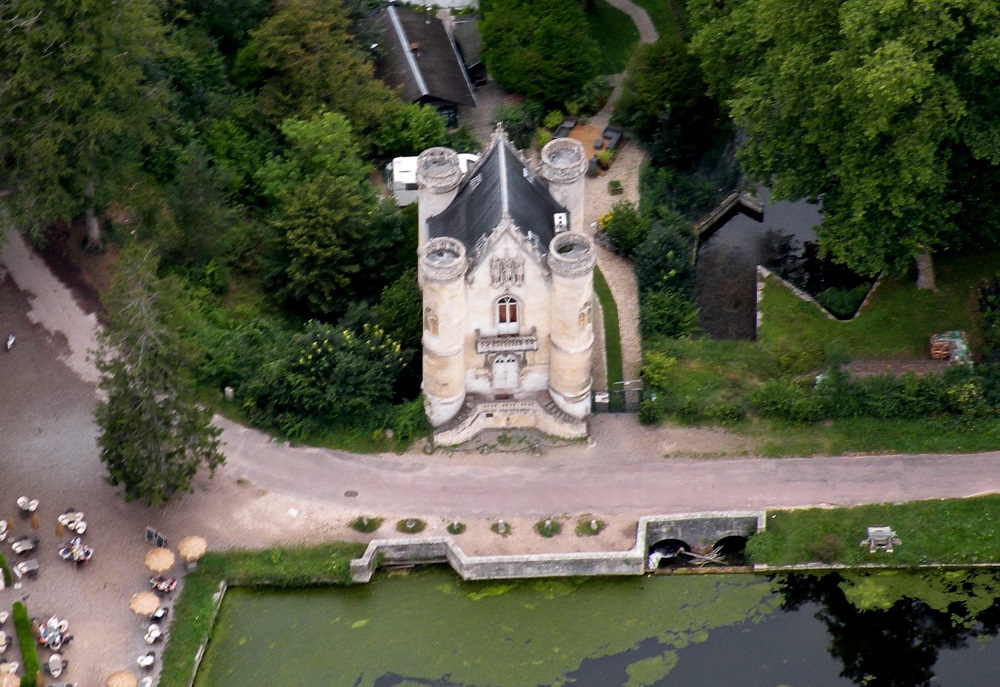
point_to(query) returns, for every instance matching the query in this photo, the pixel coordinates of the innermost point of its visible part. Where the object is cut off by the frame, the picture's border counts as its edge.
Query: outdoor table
(28, 567)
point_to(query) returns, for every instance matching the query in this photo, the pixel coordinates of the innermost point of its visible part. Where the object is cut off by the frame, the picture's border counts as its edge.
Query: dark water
(785, 243)
(429, 628)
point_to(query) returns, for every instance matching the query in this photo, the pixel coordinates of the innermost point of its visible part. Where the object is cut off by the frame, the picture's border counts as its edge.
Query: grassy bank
(194, 612)
(612, 332)
(899, 318)
(957, 531)
(615, 34)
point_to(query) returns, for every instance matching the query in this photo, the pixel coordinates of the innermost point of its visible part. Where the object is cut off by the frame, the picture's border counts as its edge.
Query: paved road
(581, 479)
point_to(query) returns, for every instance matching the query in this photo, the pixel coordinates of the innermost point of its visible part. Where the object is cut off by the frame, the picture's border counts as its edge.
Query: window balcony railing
(507, 343)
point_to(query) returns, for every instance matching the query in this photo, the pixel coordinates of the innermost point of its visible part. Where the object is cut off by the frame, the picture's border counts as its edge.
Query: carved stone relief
(506, 271)
(584, 318)
(430, 322)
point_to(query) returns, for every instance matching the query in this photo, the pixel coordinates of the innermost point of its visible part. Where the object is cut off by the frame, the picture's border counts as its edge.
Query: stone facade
(507, 290)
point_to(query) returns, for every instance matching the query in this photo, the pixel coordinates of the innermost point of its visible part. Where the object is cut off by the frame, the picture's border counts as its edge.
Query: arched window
(508, 316)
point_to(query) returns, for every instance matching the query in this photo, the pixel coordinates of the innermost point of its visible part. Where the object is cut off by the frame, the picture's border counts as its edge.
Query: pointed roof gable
(501, 184)
(420, 58)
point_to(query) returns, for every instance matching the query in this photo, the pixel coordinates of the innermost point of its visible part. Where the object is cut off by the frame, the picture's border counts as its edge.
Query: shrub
(548, 527)
(667, 312)
(411, 526)
(26, 639)
(519, 120)
(502, 528)
(783, 398)
(653, 410)
(409, 421)
(592, 97)
(5, 571)
(542, 136)
(624, 226)
(364, 524)
(843, 303)
(456, 527)
(552, 120)
(799, 355)
(663, 259)
(589, 527)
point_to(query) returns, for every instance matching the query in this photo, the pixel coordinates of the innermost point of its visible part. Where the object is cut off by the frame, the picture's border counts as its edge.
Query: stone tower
(442, 268)
(571, 261)
(438, 176)
(564, 162)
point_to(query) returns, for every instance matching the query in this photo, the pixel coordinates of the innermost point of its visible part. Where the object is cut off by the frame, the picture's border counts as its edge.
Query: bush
(5, 571)
(664, 258)
(589, 527)
(409, 421)
(625, 227)
(456, 527)
(668, 312)
(593, 96)
(800, 355)
(548, 527)
(552, 120)
(843, 303)
(542, 137)
(502, 528)
(519, 120)
(411, 526)
(783, 398)
(26, 639)
(366, 525)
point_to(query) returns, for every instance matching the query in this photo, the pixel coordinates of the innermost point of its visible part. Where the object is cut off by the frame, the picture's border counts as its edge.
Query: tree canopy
(75, 104)
(154, 438)
(303, 59)
(879, 108)
(539, 48)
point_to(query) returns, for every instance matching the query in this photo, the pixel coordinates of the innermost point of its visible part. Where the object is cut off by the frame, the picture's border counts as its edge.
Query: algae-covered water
(429, 628)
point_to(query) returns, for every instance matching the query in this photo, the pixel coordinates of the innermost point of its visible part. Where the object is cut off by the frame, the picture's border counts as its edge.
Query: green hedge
(29, 649)
(5, 571)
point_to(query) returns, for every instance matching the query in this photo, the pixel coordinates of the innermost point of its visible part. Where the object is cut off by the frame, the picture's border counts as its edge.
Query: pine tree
(154, 438)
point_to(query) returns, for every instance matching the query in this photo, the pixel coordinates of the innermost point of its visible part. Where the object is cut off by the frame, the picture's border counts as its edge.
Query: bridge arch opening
(668, 553)
(732, 548)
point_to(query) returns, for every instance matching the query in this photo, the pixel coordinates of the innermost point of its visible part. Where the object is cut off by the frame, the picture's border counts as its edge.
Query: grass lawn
(612, 334)
(615, 34)
(194, 612)
(938, 531)
(899, 319)
(854, 436)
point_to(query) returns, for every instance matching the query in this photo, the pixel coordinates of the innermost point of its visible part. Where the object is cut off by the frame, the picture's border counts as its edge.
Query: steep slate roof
(500, 184)
(466, 35)
(420, 59)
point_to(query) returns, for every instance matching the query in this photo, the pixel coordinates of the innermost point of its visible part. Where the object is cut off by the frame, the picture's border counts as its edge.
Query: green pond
(429, 628)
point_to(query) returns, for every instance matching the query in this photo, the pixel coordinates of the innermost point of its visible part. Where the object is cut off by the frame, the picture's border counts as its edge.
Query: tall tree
(539, 48)
(326, 216)
(303, 59)
(75, 105)
(154, 438)
(875, 107)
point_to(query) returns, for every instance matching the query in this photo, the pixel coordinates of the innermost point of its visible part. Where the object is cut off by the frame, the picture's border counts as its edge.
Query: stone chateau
(507, 281)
